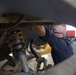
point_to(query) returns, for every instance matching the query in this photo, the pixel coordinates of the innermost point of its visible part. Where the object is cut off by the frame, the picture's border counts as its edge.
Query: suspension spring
(18, 46)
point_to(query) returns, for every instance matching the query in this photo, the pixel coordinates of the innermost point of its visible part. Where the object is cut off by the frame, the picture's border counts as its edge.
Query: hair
(55, 25)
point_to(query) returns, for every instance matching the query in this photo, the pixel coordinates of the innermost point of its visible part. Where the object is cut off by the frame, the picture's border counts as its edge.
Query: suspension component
(39, 59)
(18, 46)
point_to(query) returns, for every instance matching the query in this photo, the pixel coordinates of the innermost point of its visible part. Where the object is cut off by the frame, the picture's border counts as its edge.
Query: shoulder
(67, 40)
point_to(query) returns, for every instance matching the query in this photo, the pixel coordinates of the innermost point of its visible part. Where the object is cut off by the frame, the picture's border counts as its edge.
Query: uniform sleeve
(50, 38)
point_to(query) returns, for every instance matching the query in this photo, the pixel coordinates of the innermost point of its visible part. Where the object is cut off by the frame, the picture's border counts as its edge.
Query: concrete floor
(74, 47)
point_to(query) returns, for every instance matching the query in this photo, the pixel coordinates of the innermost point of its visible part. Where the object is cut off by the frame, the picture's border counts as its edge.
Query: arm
(39, 29)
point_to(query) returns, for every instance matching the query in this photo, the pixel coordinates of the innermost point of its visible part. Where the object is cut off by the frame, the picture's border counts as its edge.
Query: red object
(71, 33)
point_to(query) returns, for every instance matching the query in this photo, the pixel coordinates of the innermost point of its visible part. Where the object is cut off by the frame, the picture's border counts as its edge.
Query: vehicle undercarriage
(14, 32)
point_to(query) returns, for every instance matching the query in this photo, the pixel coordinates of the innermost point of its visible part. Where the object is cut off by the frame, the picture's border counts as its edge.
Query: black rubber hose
(37, 55)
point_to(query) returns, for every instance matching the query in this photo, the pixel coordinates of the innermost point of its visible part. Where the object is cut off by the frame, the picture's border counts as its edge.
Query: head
(59, 30)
